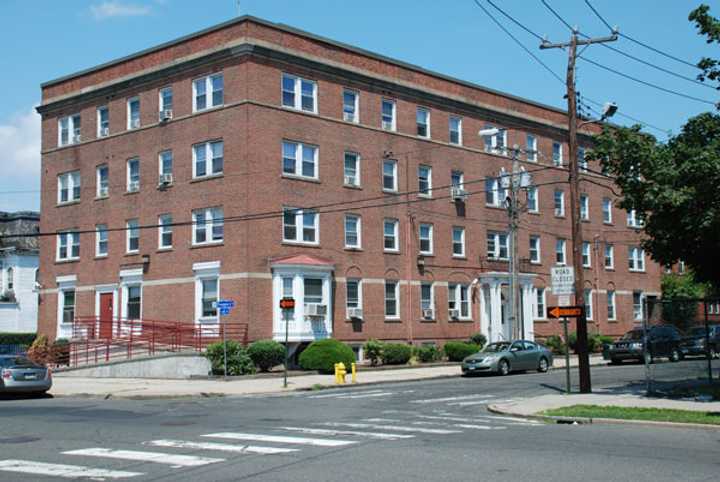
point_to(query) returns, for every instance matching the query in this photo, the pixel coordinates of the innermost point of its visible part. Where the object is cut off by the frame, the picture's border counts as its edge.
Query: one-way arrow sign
(565, 311)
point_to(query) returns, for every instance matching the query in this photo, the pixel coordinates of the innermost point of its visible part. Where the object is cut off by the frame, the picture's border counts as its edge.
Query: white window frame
(128, 175)
(584, 207)
(74, 185)
(559, 161)
(161, 99)
(209, 164)
(537, 259)
(297, 93)
(165, 227)
(455, 299)
(531, 147)
(561, 243)
(611, 305)
(533, 207)
(299, 159)
(493, 144)
(461, 243)
(98, 116)
(358, 232)
(299, 219)
(607, 210)
(359, 295)
(208, 219)
(209, 92)
(354, 116)
(356, 178)
(133, 124)
(633, 220)
(497, 237)
(638, 307)
(161, 161)
(395, 235)
(101, 229)
(636, 259)
(131, 225)
(392, 126)
(125, 295)
(494, 192)
(99, 184)
(540, 294)
(582, 160)
(586, 255)
(559, 212)
(394, 175)
(609, 249)
(70, 239)
(74, 123)
(428, 191)
(206, 271)
(396, 294)
(454, 118)
(589, 308)
(431, 305)
(428, 238)
(419, 124)
(460, 175)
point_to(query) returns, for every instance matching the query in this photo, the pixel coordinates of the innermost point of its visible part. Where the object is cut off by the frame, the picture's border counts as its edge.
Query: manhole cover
(18, 440)
(177, 423)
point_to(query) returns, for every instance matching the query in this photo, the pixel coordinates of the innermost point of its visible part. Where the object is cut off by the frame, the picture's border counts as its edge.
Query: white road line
(318, 442)
(381, 394)
(340, 394)
(512, 419)
(458, 425)
(472, 402)
(323, 431)
(438, 417)
(391, 428)
(242, 449)
(451, 399)
(478, 427)
(156, 457)
(61, 470)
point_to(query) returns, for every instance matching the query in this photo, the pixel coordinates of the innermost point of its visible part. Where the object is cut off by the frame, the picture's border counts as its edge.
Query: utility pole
(513, 218)
(574, 178)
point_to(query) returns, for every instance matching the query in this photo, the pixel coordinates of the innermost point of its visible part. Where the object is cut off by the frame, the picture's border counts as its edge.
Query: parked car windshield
(633, 335)
(16, 361)
(496, 347)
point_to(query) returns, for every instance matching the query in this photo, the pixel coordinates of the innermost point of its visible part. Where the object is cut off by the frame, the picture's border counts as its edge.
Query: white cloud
(113, 8)
(20, 161)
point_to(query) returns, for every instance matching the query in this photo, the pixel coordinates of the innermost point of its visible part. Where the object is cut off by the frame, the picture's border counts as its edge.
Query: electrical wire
(557, 15)
(509, 17)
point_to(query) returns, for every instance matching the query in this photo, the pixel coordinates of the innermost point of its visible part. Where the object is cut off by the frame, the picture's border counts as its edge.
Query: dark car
(662, 341)
(696, 341)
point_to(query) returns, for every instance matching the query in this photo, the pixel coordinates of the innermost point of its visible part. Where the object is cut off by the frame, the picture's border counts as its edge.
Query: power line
(509, 17)
(557, 15)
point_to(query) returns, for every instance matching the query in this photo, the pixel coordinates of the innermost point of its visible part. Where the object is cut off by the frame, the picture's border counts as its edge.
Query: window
(390, 234)
(300, 94)
(493, 195)
(68, 246)
(560, 252)
(388, 115)
(557, 154)
(353, 294)
(586, 258)
(582, 162)
(531, 148)
(165, 163)
(69, 130)
(426, 300)
(133, 302)
(422, 121)
(559, 198)
(390, 181)
(457, 179)
(587, 294)
(133, 113)
(102, 181)
(165, 102)
(208, 151)
(68, 305)
(497, 245)
(607, 210)
(425, 180)
(300, 159)
(455, 125)
(535, 249)
(133, 175)
(584, 207)
(634, 220)
(165, 231)
(459, 299)
(636, 259)
(312, 290)
(101, 240)
(426, 239)
(352, 231)
(209, 297)
(287, 292)
(392, 299)
(300, 226)
(458, 240)
(638, 305)
(609, 256)
(532, 199)
(103, 121)
(540, 303)
(11, 280)
(208, 92)
(611, 315)
(352, 169)
(133, 236)
(209, 226)
(351, 106)
(69, 187)
(496, 143)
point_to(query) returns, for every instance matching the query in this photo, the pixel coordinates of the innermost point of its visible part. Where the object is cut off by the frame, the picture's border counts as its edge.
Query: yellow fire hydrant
(354, 373)
(340, 373)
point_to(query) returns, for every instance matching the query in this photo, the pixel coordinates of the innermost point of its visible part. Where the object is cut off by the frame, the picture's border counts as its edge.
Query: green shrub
(60, 351)
(555, 344)
(429, 353)
(322, 355)
(458, 350)
(266, 354)
(396, 353)
(25, 339)
(478, 339)
(238, 360)
(373, 351)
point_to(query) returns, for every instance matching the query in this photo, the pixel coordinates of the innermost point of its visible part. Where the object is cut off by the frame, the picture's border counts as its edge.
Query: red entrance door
(106, 315)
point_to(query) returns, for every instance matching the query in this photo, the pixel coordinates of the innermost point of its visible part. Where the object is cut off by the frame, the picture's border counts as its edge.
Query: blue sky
(44, 39)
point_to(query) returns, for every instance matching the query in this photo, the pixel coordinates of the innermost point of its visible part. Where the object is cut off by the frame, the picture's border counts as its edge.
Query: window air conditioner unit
(104, 131)
(166, 115)
(454, 314)
(165, 179)
(76, 138)
(348, 117)
(350, 180)
(458, 194)
(428, 313)
(134, 186)
(355, 313)
(421, 261)
(134, 123)
(315, 309)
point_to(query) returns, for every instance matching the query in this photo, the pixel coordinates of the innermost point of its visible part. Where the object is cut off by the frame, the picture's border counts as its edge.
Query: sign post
(287, 305)
(565, 312)
(224, 307)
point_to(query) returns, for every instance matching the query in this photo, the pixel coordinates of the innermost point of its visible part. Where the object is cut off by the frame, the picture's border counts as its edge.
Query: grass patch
(636, 413)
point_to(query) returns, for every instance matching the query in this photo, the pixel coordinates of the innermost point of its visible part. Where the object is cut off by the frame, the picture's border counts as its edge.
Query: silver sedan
(505, 356)
(21, 375)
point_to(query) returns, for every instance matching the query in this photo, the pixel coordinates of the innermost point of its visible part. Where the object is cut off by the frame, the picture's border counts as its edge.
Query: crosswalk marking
(471, 402)
(392, 428)
(368, 395)
(324, 431)
(243, 449)
(451, 399)
(458, 425)
(61, 470)
(281, 439)
(478, 427)
(156, 457)
(340, 394)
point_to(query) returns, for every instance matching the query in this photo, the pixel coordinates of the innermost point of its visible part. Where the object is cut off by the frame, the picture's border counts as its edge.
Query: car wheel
(542, 365)
(503, 367)
(674, 355)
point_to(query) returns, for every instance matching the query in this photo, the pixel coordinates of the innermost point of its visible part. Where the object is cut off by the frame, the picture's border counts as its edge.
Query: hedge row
(261, 355)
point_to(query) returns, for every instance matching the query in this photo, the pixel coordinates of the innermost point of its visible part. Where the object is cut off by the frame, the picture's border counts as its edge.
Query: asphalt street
(430, 430)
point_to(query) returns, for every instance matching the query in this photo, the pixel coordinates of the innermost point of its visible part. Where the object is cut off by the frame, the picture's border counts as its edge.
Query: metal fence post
(648, 378)
(707, 341)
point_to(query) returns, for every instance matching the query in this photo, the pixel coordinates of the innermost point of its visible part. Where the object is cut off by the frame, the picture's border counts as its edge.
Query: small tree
(373, 351)
(677, 293)
(238, 361)
(266, 354)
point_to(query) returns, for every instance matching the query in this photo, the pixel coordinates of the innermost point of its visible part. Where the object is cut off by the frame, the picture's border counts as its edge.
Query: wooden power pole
(574, 179)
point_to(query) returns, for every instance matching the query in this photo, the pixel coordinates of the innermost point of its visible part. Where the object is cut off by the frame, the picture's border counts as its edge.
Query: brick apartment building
(177, 176)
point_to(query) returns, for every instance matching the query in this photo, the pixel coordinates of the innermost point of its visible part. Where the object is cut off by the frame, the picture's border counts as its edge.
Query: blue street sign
(224, 311)
(227, 304)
